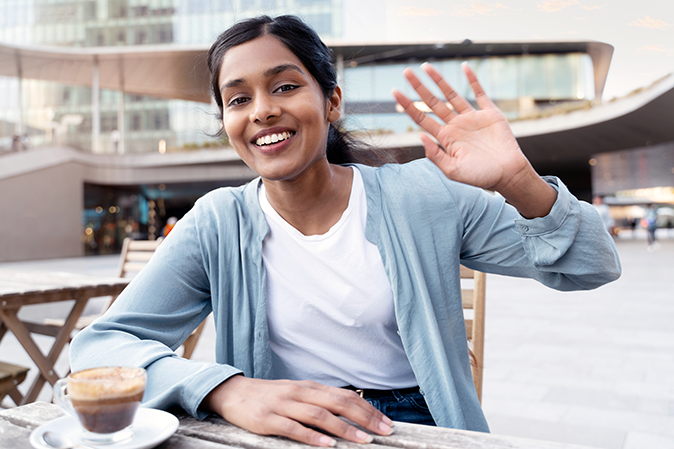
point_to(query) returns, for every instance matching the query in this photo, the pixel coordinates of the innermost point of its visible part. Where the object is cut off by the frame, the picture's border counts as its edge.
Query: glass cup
(104, 400)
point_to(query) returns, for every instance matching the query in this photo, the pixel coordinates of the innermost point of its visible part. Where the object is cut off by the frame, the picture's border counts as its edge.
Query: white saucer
(150, 427)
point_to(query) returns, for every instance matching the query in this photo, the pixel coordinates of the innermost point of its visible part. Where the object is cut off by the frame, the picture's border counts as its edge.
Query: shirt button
(525, 228)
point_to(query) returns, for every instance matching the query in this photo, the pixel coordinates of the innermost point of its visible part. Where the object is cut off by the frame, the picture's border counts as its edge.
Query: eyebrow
(267, 74)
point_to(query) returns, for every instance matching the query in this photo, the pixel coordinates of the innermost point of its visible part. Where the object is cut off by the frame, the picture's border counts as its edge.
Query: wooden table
(215, 433)
(22, 288)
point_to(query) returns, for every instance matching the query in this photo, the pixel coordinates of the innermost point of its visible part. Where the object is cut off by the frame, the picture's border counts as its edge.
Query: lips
(271, 137)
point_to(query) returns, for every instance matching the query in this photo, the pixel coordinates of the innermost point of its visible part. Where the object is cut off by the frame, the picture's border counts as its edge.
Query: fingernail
(464, 64)
(364, 436)
(387, 420)
(425, 64)
(327, 441)
(385, 428)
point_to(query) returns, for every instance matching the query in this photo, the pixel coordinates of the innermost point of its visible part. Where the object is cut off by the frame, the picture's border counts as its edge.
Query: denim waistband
(371, 393)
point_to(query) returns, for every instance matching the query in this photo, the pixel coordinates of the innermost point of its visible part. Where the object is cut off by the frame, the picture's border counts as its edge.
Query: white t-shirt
(330, 305)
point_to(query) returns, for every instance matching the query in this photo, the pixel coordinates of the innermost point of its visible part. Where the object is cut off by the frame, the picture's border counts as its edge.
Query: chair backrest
(135, 255)
(473, 298)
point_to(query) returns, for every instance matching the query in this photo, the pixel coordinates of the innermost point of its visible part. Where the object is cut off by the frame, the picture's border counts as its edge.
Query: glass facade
(58, 114)
(516, 83)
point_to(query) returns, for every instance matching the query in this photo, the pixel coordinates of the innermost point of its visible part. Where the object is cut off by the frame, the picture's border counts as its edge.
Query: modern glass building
(129, 189)
(61, 114)
(521, 79)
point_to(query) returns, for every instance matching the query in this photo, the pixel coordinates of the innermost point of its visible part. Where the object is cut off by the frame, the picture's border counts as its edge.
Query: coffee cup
(104, 400)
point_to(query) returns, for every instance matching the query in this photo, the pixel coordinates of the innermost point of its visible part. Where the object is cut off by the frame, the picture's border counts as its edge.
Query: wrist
(213, 402)
(529, 193)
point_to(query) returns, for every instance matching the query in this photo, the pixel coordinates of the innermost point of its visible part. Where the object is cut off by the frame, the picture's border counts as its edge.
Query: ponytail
(344, 148)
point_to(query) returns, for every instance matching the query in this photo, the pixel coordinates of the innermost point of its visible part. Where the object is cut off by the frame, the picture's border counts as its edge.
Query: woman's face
(274, 112)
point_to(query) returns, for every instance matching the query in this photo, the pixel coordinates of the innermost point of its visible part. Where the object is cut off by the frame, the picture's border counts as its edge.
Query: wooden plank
(31, 415)
(139, 256)
(466, 273)
(216, 433)
(22, 334)
(467, 298)
(59, 343)
(133, 267)
(10, 377)
(144, 245)
(13, 436)
(413, 436)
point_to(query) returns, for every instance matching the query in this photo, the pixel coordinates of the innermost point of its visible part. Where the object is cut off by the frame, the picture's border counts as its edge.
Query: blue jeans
(409, 408)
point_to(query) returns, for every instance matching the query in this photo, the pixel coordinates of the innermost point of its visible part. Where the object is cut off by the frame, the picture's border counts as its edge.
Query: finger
(459, 103)
(483, 101)
(350, 405)
(289, 428)
(322, 418)
(438, 107)
(428, 124)
(436, 154)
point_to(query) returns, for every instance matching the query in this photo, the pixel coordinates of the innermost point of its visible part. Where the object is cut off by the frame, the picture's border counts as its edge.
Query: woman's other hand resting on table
(277, 407)
(478, 147)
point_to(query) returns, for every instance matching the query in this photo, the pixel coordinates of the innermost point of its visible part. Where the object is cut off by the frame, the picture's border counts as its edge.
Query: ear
(335, 105)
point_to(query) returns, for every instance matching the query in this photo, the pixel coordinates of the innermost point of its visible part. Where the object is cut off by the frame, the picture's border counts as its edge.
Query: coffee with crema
(106, 399)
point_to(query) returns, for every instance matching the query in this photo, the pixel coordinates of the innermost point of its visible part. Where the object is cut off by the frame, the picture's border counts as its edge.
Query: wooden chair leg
(191, 342)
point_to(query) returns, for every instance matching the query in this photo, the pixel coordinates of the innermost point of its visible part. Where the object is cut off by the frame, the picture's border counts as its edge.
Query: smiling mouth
(273, 138)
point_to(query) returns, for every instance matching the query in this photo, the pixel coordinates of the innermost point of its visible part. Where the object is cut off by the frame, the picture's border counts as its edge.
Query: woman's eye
(287, 87)
(238, 101)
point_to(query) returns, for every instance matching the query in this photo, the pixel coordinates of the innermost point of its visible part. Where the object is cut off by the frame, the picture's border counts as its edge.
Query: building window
(322, 23)
(136, 121)
(141, 36)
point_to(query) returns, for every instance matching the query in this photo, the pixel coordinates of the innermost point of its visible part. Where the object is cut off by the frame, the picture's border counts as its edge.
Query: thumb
(436, 154)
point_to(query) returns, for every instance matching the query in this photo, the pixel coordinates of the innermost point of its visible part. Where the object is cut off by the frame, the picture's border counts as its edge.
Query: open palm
(479, 147)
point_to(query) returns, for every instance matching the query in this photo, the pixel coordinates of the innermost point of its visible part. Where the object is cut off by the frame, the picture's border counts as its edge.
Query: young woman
(324, 273)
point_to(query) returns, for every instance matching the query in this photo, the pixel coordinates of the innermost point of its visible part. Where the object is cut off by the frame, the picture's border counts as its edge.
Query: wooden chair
(10, 377)
(134, 256)
(473, 298)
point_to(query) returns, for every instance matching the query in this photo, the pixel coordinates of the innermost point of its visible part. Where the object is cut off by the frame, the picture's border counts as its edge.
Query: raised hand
(286, 408)
(476, 146)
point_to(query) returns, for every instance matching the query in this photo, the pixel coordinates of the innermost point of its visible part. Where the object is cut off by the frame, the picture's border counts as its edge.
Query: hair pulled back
(304, 43)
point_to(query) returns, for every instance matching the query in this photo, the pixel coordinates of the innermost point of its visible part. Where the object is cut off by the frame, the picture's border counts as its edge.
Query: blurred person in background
(605, 214)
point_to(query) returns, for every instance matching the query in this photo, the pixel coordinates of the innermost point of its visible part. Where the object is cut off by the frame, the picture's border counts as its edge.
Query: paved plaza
(592, 368)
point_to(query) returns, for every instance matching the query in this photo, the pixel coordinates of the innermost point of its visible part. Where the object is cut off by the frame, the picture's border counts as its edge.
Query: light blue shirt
(424, 226)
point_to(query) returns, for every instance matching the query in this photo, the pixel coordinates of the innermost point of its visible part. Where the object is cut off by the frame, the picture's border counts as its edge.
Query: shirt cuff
(546, 239)
(200, 385)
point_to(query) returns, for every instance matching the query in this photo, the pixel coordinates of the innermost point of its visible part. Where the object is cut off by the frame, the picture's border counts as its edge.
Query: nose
(265, 108)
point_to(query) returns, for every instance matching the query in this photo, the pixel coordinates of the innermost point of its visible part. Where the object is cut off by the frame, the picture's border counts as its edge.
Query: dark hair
(304, 43)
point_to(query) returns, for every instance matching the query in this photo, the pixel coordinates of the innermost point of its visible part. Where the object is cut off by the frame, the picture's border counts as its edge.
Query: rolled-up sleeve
(151, 318)
(569, 249)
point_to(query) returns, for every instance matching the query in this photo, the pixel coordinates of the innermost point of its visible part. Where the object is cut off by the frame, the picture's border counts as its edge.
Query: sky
(641, 32)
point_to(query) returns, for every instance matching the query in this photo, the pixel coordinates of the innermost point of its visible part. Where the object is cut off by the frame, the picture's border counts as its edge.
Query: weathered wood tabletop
(215, 433)
(23, 288)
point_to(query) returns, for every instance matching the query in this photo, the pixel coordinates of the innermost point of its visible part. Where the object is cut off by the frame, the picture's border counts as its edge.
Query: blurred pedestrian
(604, 213)
(170, 223)
(650, 222)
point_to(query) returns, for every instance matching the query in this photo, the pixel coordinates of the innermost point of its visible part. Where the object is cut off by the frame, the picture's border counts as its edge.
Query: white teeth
(273, 138)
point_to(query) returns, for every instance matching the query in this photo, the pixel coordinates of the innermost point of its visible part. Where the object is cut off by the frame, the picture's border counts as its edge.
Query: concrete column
(19, 74)
(95, 108)
(120, 108)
